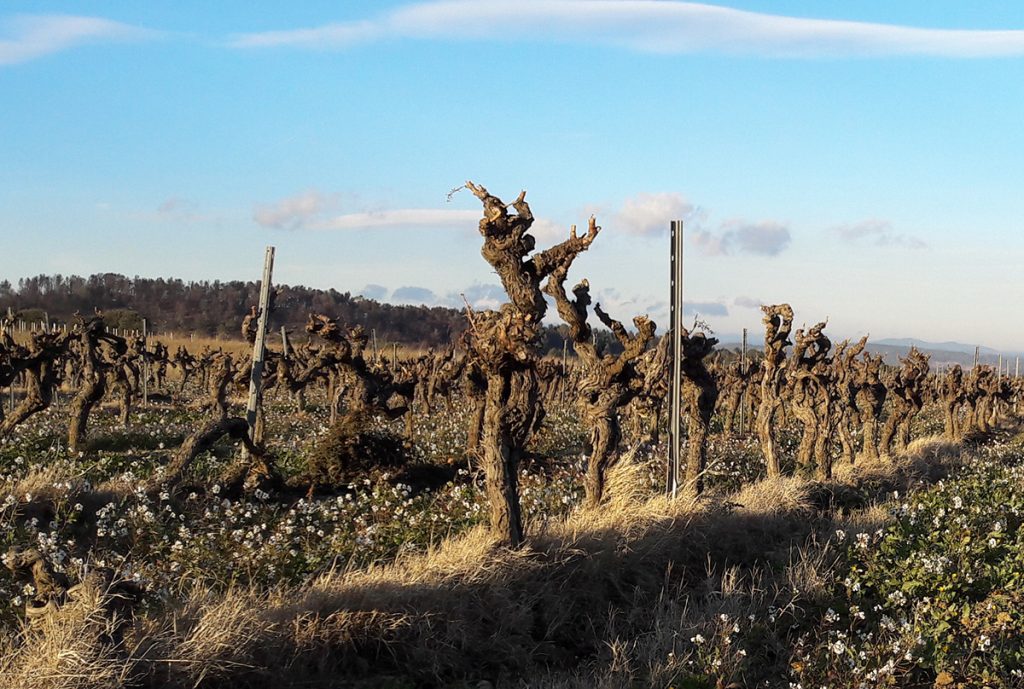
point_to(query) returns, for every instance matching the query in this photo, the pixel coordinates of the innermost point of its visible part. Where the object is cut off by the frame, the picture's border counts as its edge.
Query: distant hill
(941, 353)
(908, 342)
(216, 308)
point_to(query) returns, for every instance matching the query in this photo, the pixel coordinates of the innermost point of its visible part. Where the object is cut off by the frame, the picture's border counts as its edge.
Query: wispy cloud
(401, 217)
(766, 238)
(747, 302)
(705, 308)
(27, 37)
(374, 291)
(413, 295)
(317, 210)
(662, 26)
(295, 212)
(878, 233)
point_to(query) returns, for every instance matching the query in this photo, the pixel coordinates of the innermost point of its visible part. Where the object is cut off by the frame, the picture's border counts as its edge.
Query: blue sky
(860, 160)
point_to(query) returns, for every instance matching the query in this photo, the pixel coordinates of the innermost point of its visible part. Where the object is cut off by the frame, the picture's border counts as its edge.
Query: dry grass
(65, 652)
(619, 583)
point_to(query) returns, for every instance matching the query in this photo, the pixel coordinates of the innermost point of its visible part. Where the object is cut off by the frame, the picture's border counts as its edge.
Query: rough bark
(699, 393)
(809, 383)
(904, 392)
(844, 405)
(952, 394)
(40, 365)
(778, 321)
(870, 398)
(95, 365)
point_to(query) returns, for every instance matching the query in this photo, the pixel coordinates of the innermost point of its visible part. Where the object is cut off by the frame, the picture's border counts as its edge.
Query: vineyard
(483, 515)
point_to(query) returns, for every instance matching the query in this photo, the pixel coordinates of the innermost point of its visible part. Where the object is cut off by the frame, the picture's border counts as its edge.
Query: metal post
(675, 397)
(743, 372)
(999, 368)
(258, 350)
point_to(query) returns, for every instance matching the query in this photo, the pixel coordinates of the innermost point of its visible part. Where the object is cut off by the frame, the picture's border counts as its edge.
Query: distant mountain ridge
(941, 353)
(936, 346)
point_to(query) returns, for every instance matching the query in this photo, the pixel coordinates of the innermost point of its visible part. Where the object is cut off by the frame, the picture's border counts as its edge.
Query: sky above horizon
(862, 161)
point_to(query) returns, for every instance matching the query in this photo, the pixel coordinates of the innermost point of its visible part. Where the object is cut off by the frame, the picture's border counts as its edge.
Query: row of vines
(847, 405)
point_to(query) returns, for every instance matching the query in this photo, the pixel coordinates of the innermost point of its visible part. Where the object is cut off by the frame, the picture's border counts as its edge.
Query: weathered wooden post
(374, 333)
(743, 373)
(145, 364)
(258, 350)
(1016, 375)
(284, 341)
(977, 356)
(675, 394)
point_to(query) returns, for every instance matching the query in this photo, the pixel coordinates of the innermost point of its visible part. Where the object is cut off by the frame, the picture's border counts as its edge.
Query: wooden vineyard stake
(258, 351)
(743, 372)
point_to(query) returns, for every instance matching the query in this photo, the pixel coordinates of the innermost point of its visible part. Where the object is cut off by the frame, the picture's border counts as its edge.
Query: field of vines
(483, 516)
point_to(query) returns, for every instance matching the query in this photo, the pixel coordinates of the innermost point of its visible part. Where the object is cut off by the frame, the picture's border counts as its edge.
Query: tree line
(214, 308)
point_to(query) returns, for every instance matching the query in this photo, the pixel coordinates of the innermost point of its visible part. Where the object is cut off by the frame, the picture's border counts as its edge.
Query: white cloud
(877, 232)
(548, 232)
(27, 37)
(648, 214)
(663, 26)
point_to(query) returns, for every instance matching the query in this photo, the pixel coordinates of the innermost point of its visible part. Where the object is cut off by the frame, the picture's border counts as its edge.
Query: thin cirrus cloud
(316, 210)
(878, 233)
(660, 26)
(27, 37)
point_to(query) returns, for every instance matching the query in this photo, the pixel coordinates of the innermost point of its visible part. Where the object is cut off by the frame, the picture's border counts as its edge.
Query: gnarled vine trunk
(504, 345)
(778, 321)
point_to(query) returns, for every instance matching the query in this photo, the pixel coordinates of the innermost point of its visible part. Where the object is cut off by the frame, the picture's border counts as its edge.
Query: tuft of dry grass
(67, 651)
